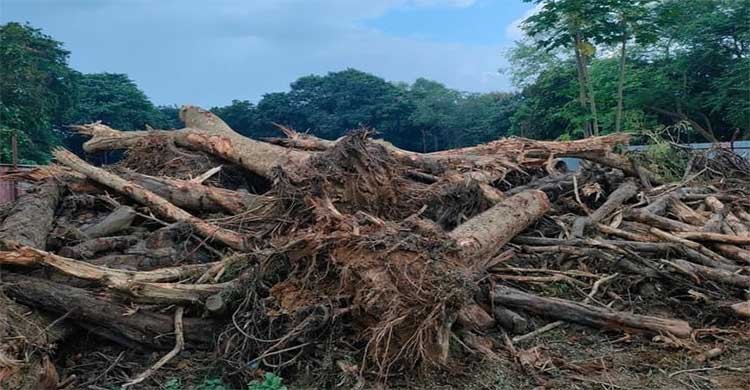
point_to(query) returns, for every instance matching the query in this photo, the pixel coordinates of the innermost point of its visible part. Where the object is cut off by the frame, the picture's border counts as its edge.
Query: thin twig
(178, 346)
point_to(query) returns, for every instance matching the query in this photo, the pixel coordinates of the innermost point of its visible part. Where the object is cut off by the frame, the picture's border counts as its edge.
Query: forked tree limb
(586, 314)
(156, 203)
(625, 191)
(212, 137)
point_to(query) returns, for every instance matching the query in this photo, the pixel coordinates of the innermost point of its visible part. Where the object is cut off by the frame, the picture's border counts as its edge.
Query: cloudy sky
(210, 52)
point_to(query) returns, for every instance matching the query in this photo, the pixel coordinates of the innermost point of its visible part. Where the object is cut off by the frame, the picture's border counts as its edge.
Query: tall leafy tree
(116, 100)
(37, 91)
(578, 25)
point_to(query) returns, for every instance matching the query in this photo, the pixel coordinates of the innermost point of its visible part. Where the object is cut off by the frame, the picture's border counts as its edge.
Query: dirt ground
(568, 357)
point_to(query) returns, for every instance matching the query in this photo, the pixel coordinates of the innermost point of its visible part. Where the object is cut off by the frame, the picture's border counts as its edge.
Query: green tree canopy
(116, 100)
(37, 91)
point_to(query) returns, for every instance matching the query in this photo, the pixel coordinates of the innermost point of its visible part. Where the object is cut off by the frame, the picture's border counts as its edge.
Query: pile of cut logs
(277, 252)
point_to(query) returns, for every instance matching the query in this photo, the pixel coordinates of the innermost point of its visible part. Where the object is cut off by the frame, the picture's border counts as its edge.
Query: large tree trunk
(213, 137)
(621, 83)
(195, 196)
(586, 314)
(106, 318)
(30, 220)
(580, 69)
(487, 232)
(156, 203)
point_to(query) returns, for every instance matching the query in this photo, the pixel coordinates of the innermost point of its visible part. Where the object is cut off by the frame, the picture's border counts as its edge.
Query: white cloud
(191, 52)
(513, 30)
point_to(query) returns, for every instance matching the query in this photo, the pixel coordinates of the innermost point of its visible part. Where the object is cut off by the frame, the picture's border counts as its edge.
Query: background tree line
(591, 67)
(586, 68)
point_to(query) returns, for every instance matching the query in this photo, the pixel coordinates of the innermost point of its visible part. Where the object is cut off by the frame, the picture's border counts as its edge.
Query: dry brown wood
(89, 248)
(714, 237)
(171, 293)
(625, 191)
(204, 132)
(587, 314)
(22, 329)
(118, 220)
(30, 219)
(195, 196)
(157, 204)
(510, 320)
(715, 274)
(473, 316)
(178, 346)
(734, 252)
(111, 320)
(645, 216)
(691, 245)
(487, 232)
(684, 213)
(742, 309)
(27, 256)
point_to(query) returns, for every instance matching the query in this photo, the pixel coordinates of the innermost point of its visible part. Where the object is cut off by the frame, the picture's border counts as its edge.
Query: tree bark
(27, 257)
(581, 83)
(621, 82)
(89, 248)
(710, 273)
(625, 191)
(118, 220)
(157, 204)
(30, 220)
(584, 314)
(111, 320)
(487, 232)
(214, 137)
(195, 196)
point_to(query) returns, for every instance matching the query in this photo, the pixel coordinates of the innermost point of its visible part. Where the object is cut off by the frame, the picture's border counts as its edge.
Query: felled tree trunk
(486, 233)
(157, 204)
(195, 196)
(214, 137)
(106, 318)
(583, 314)
(30, 220)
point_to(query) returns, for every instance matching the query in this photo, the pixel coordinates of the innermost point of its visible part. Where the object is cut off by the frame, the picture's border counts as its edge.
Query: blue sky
(210, 52)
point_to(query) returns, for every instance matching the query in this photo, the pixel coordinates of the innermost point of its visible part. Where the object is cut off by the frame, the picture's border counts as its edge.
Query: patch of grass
(212, 384)
(270, 382)
(173, 384)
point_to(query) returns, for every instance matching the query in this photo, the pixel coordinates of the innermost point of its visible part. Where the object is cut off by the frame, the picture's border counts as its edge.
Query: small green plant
(270, 382)
(173, 384)
(212, 384)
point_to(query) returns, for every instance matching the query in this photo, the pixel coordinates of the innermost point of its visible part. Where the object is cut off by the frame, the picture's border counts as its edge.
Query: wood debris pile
(353, 258)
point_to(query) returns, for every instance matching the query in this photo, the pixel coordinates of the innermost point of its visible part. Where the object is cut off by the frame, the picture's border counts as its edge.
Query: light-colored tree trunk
(620, 85)
(581, 83)
(213, 136)
(156, 203)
